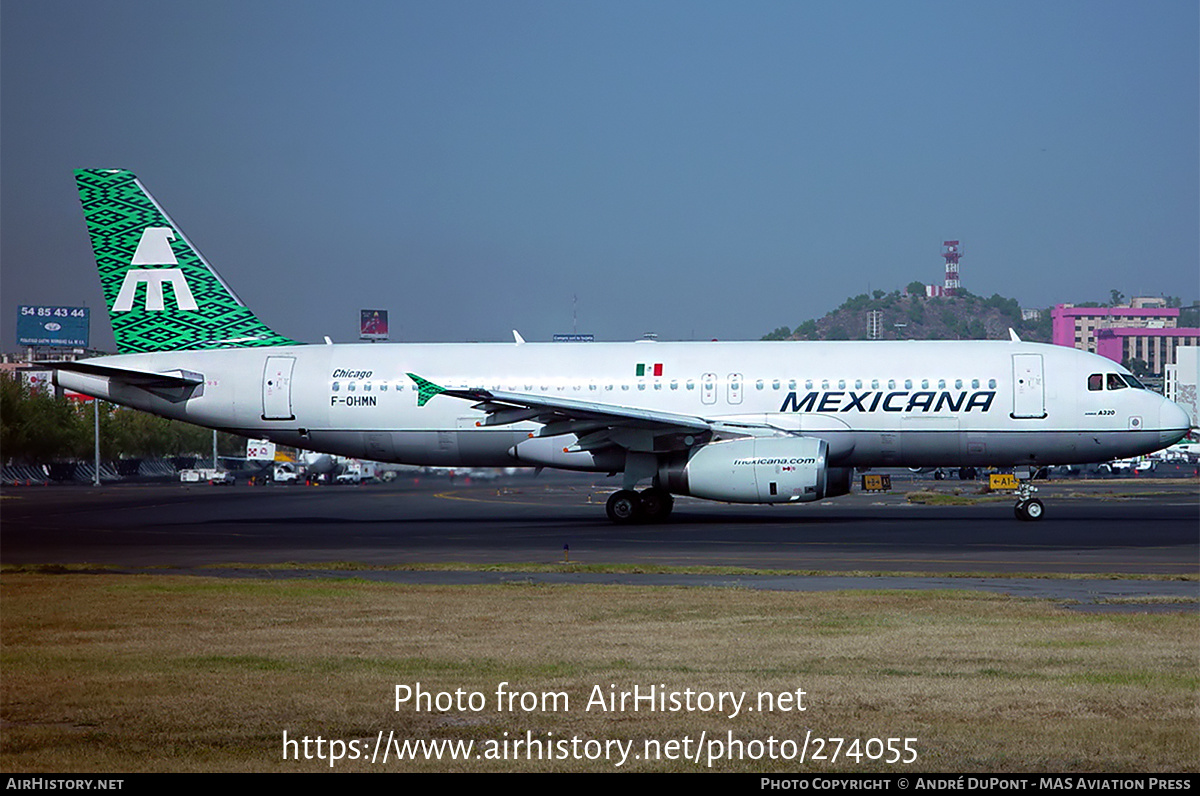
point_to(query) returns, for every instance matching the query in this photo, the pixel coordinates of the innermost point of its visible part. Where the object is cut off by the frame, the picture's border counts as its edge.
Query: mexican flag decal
(650, 370)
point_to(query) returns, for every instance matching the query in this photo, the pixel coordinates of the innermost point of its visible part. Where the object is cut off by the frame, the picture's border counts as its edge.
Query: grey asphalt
(1092, 528)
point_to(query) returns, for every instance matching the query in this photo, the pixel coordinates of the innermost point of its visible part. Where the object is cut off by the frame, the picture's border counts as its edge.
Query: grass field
(127, 673)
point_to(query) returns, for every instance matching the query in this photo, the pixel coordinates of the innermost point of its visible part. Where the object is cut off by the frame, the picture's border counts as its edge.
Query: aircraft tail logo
(162, 294)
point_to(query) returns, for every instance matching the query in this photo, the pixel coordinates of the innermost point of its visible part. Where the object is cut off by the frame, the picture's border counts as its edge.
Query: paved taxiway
(1130, 527)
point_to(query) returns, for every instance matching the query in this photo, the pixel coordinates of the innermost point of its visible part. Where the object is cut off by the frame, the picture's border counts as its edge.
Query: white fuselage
(908, 403)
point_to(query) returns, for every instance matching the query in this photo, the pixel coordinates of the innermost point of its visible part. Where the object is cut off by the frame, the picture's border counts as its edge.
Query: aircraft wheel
(624, 507)
(1029, 510)
(656, 504)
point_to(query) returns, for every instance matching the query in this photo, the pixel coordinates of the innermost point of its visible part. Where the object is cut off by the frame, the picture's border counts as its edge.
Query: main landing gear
(650, 505)
(1028, 508)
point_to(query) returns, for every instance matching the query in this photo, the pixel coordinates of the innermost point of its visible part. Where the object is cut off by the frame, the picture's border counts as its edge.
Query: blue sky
(696, 169)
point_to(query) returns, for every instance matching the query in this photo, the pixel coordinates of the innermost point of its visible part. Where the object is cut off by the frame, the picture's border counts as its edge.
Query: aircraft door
(735, 388)
(1029, 393)
(277, 388)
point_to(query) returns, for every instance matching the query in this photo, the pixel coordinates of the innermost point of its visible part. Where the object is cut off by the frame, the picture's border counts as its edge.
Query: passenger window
(958, 384)
(775, 384)
(350, 386)
(337, 386)
(974, 384)
(874, 384)
(908, 384)
(991, 384)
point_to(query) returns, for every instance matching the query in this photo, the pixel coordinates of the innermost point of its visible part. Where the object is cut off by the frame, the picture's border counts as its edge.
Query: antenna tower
(951, 251)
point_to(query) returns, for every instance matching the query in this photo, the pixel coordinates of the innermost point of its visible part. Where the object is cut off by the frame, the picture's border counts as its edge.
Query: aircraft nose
(1173, 422)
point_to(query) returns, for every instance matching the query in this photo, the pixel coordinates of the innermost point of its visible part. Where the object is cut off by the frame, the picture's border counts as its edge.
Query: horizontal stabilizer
(134, 378)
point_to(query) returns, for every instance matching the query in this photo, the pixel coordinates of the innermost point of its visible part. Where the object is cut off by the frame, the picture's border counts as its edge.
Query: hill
(911, 317)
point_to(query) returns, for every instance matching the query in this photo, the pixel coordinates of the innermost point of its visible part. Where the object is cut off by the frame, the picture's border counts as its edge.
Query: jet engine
(756, 470)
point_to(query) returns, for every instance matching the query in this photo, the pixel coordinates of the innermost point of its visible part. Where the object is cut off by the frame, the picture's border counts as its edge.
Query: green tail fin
(162, 295)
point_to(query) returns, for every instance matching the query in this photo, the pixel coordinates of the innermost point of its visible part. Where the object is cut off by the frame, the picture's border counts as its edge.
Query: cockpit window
(1095, 382)
(1115, 382)
(1132, 381)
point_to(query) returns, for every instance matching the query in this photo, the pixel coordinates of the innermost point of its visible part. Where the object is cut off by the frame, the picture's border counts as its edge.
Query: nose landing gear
(1028, 508)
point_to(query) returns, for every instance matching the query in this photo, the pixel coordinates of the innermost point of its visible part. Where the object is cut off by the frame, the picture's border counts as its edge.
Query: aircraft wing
(511, 407)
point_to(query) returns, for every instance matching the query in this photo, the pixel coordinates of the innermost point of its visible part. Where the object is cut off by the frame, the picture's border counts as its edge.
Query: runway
(1131, 528)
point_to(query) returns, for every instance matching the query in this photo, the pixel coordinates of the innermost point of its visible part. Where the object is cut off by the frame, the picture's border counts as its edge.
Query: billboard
(373, 325)
(61, 326)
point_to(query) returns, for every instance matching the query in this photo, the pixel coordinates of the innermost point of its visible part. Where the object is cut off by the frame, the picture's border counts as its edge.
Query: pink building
(1155, 347)
(1122, 334)
(1075, 327)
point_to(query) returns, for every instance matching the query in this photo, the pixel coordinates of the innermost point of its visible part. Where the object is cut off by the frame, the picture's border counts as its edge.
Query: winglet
(426, 389)
(1012, 336)
(518, 338)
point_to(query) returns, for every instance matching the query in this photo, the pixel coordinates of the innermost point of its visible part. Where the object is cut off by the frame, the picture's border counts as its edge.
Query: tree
(39, 428)
(781, 333)
(1118, 298)
(1138, 367)
(916, 289)
(807, 330)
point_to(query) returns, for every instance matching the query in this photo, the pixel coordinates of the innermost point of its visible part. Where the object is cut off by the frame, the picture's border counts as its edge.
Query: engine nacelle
(756, 470)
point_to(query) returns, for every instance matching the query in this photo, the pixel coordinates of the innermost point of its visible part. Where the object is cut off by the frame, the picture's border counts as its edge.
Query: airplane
(740, 422)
